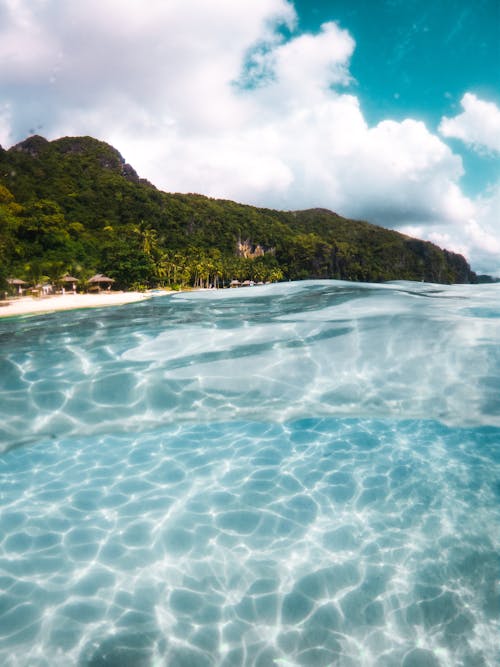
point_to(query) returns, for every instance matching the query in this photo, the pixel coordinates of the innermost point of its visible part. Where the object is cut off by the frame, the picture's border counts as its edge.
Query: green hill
(74, 205)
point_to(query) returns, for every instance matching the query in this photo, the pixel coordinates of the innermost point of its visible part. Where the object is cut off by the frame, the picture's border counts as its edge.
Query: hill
(74, 205)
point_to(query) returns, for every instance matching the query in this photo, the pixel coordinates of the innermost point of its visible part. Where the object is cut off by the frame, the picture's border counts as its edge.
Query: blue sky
(382, 110)
(417, 59)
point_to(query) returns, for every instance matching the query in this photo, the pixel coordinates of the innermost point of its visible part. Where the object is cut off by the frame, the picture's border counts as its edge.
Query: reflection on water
(296, 475)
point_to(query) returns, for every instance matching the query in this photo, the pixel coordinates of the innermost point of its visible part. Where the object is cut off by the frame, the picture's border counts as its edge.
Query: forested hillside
(73, 205)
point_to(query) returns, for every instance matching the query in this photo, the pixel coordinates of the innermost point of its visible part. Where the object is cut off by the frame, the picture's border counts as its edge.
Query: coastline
(49, 304)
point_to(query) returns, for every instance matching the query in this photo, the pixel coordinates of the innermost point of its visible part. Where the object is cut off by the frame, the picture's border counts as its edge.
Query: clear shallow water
(300, 474)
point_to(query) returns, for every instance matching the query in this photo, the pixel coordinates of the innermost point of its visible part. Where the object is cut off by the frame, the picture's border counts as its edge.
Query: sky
(381, 110)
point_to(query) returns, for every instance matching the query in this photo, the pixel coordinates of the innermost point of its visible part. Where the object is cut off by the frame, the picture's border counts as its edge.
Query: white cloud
(484, 233)
(5, 124)
(472, 230)
(212, 98)
(478, 125)
(305, 67)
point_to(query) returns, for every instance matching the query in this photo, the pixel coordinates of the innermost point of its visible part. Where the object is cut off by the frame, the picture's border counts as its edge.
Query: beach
(49, 304)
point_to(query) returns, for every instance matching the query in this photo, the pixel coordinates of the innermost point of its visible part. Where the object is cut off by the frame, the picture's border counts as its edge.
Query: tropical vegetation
(74, 206)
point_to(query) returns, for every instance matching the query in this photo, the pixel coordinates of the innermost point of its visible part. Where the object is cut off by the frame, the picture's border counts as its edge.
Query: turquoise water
(296, 474)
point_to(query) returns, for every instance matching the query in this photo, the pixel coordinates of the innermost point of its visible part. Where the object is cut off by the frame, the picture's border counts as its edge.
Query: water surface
(296, 474)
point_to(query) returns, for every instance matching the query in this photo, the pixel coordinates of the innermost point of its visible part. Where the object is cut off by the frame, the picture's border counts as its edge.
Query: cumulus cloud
(484, 233)
(473, 231)
(231, 100)
(478, 125)
(5, 122)
(304, 67)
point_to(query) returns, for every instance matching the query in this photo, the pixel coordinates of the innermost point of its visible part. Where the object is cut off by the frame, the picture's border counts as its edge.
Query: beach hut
(100, 280)
(18, 283)
(67, 280)
(234, 283)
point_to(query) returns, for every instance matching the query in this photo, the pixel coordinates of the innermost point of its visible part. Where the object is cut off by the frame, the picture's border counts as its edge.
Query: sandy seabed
(32, 306)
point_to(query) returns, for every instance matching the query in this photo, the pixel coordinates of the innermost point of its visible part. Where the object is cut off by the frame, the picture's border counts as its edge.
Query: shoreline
(41, 305)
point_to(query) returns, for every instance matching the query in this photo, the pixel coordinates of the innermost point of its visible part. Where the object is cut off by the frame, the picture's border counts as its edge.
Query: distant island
(73, 206)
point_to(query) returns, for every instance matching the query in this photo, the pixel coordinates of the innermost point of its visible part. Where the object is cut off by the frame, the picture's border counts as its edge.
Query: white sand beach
(33, 306)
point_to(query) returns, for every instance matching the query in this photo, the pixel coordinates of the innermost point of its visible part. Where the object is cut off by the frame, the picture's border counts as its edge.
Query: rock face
(106, 156)
(461, 267)
(437, 264)
(130, 173)
(33, 146)
(249, 250)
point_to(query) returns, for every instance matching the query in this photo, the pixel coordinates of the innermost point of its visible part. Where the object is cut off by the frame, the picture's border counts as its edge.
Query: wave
(324, 348)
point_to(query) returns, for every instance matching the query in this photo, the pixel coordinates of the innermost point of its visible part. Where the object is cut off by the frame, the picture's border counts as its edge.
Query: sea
(297, 474)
